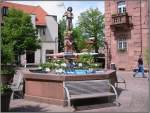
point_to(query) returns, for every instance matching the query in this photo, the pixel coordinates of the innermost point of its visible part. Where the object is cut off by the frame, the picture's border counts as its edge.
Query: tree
(61, 29)
(18, 30)
(78, 40)
(91, 23)
(7, 54)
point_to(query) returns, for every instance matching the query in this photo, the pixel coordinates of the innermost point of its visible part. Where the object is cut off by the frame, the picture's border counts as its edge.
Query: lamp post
(108, 54)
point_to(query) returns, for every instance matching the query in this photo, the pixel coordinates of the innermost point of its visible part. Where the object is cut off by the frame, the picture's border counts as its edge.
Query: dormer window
(4, 11)
(121, 6)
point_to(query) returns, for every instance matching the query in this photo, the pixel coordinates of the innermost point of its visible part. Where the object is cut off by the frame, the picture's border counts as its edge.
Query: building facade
(47, 29)
(126, 31)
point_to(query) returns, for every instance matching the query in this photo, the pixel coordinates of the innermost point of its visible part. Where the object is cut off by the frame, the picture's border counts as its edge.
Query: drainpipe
(109, 46)
(107, 55)
(141, 28)
(149, 30)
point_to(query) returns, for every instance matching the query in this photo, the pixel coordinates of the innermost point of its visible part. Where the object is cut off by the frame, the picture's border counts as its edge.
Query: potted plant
(5, 97)
(7, 73)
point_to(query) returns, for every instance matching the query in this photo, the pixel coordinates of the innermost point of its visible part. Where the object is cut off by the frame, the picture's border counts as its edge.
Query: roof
(36, 10)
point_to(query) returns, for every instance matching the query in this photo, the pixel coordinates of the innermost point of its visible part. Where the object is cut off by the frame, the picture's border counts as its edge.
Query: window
(122, 44)
(30, 56)
(55, 17)
(49, 51)
(44, 31)
(121, 7)
(4, 11)
(47, 58)
(47, 54)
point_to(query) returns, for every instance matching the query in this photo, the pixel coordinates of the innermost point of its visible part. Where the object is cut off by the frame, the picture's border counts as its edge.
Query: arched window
(121, 6)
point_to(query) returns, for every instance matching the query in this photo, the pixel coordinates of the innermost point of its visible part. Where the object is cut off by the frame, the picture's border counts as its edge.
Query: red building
(126, 31)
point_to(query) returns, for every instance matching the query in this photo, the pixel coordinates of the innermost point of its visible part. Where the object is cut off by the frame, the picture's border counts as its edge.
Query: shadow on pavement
(28, 108)
(95, 103)
(96, 106)
(119, 90)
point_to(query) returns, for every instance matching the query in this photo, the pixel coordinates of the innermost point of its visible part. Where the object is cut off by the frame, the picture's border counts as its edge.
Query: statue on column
(68, 47)
(69, 17)
(68, 42)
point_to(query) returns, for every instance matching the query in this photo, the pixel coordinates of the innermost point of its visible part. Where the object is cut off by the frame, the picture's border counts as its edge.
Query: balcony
(121, 22)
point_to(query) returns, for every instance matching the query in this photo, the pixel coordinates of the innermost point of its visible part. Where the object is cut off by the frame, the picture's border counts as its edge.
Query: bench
(88, 89)
(17, 85)
(120, 80)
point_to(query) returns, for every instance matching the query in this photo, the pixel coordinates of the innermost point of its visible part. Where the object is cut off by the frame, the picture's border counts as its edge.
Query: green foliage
(95, 65)
(86, 59)
(47, 65)
(78, 40)
(7, 59)
(122, 49)
(7, 53)
(53, 64)
(147, 56)
(7, 71)
(58, 61)
(5, 88)
(114, 14)
(61, 29)
(91, 23)
(88, 62)
(19, 31)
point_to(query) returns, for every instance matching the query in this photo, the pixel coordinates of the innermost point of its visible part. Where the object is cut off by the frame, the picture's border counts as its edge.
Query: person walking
(140, 66)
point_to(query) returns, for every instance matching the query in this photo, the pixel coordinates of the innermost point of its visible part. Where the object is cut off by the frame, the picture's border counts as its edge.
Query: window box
(122, 49)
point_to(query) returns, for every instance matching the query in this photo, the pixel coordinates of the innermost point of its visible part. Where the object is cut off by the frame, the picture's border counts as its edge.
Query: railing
(121, 21)
(121, 18)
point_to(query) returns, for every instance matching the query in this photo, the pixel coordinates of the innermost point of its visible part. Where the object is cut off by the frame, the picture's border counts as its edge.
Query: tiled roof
(36, 10)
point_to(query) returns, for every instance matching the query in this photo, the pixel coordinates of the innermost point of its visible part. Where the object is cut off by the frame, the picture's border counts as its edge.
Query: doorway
(30, 56)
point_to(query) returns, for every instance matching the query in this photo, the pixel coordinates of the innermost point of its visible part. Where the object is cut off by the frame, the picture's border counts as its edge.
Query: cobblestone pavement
(135, 98)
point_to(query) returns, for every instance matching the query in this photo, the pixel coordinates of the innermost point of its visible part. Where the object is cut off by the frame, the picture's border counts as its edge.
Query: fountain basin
(48, 87)
(79, 71)
(71, 71)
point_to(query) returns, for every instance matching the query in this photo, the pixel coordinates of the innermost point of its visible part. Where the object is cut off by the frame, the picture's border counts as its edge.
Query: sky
(80, 6)
(58, 7)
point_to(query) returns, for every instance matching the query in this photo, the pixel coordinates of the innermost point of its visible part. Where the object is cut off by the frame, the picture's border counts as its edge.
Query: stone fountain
(49, 87)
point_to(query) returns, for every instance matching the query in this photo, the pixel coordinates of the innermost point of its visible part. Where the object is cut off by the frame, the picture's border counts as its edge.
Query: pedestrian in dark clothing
(140, 66)
(140, 60)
